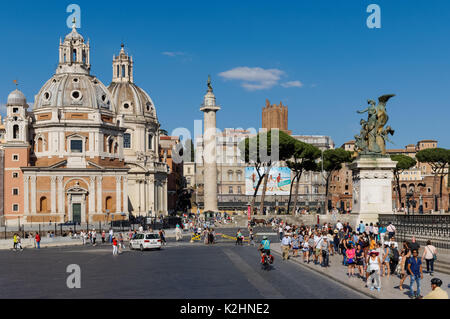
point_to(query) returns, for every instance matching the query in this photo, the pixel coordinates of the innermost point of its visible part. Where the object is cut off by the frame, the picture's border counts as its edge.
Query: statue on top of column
(373, 136)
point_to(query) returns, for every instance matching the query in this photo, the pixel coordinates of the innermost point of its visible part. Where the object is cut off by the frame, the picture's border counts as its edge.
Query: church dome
(17, 98)
(74, 35)
(129, 99)
(132, 100)
(74, 90)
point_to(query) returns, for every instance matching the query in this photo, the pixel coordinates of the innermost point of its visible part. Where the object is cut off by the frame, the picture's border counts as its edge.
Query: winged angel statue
(374, 134)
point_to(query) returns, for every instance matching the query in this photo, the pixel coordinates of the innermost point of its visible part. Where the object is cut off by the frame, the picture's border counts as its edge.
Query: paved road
(181, 270)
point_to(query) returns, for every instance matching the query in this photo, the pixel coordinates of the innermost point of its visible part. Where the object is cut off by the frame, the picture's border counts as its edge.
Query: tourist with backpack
(393, 258)
(430, 255)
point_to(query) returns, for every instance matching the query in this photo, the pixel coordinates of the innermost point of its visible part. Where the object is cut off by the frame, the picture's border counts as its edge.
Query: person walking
(382, 232)
(251, 238)
(373, 268)
(430, 255)
(325, 252)
(114, 242)
(305, 249)
(103, 236)
(162, 236)
(404, 272)
(359, 255)
(15, 242)
(38, 240)
(121, 244)
(285, 246)
(111, 235)
(351, 254)
(390, 230)
(94, 237)
(415, 270)
(386, 261)
(19, 243)
(83, 237)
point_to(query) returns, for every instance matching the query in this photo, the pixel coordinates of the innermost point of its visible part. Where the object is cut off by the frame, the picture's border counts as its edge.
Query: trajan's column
(209, 108)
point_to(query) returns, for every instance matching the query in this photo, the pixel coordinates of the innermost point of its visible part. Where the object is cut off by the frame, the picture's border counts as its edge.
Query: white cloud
(172, 54)
(292, 84)
(254, 78)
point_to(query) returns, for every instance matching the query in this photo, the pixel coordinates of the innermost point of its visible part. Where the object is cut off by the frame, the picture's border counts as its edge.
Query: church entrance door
(76, 213)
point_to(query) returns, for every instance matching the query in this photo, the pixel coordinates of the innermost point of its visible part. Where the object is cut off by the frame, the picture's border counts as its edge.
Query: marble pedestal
(372, 187)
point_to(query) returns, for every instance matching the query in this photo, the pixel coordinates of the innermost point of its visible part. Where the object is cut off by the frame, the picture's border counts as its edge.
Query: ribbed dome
(74, 35)
(77, 90)
(132, 100)
(17, 98)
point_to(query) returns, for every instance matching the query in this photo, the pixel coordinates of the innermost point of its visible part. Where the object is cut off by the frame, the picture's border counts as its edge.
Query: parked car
(144, 241)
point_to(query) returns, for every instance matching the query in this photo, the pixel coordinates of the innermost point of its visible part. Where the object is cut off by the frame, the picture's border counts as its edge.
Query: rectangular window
(76, 146)
(15, 157)
(126, 140)
(15, 207)
(15, 110)
(239, 189)
(15, 175)
(230, 190)
(15, 191)
(150, 137)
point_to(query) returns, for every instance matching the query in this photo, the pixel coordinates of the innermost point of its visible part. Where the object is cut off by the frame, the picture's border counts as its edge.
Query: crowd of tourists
(368, 252)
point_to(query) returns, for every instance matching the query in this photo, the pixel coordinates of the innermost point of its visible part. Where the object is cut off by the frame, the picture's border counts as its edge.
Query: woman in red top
(38, 240)
(114, 241)
(351, 260)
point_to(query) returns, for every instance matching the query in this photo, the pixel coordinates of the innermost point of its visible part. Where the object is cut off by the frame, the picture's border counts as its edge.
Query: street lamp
(410, 201)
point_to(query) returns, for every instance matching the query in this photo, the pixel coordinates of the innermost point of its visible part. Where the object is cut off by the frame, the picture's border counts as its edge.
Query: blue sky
(316, 56)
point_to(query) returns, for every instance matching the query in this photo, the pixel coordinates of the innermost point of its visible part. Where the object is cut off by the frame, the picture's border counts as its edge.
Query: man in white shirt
(317, 242)
(111, 234)
(339, 225)
(390, 230)
(285, 246)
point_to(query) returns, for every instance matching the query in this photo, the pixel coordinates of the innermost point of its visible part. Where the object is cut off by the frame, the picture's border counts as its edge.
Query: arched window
(116, 148)
(43, 204)
(16, 131)
(123, 71)
(109, 203)
(74, 55)
(230, 176)
(118, 72)
(84, 56)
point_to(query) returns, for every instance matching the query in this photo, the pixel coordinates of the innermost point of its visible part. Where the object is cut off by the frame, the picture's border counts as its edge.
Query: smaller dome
(74, 35)
(17, 98)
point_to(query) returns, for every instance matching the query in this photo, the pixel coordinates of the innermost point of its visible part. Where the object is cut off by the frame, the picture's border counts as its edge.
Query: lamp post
(324, 199)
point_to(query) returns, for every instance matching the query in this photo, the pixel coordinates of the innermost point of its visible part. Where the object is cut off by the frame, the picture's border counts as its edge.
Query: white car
(144, 241)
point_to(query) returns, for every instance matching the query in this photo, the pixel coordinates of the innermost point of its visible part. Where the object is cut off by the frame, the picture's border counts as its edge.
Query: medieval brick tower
(275, 116)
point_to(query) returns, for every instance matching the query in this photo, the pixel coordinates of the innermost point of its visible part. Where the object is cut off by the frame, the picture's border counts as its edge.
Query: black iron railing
(424, 227)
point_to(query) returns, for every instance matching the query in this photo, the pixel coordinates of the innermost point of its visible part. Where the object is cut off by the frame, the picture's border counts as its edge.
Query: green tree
(403, 163)
(332, 162)
(439, 159)
(303, 159)
(262, 152)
